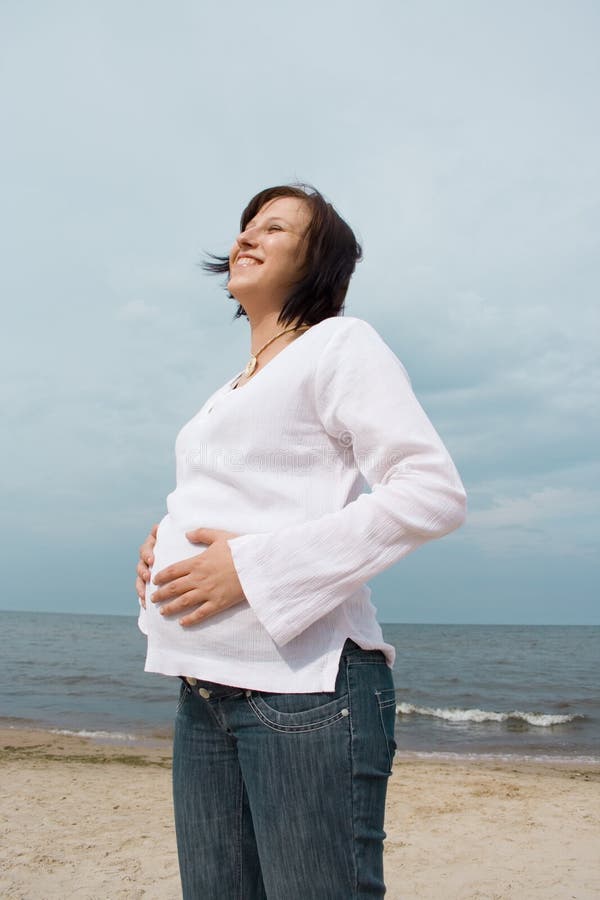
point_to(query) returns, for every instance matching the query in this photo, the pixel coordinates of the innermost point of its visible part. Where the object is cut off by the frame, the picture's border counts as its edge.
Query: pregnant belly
(237, 625)
(171, 546)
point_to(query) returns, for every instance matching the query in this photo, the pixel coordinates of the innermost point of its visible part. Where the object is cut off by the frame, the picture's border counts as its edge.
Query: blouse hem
(219, 671)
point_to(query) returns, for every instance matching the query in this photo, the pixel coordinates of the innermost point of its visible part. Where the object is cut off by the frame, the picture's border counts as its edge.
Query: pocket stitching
(385, 704)
(184, 693)
(296, 729)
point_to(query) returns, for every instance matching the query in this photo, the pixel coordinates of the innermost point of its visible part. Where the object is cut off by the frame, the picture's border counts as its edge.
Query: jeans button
(204, 693)
(191, 681)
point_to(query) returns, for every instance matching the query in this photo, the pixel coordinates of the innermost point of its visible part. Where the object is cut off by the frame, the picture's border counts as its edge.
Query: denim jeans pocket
(298, 712)
(386, 701)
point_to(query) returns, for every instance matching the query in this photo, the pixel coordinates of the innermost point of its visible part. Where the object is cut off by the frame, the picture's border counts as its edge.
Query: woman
(284, 732)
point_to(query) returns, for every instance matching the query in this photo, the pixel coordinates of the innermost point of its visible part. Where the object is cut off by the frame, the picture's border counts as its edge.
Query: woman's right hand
(143, 566)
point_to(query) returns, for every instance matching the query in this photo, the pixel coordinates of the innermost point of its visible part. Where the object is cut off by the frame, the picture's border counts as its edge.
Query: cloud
(137, 311)
(472, 184)
(548, 522)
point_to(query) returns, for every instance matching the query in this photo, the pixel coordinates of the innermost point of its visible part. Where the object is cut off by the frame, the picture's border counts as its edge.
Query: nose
(247, 238)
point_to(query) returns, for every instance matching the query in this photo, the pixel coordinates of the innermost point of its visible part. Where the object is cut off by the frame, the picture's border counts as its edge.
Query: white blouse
(328, 468)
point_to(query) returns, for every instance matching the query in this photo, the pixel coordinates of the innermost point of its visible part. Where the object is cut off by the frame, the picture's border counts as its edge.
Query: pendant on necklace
(250, 367)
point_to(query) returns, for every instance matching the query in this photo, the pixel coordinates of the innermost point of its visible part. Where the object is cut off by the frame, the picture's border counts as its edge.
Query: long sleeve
(363, 397)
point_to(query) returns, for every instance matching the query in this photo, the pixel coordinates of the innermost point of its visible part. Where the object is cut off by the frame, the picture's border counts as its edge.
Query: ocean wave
(541, 720)
(541, 758)
(102, 735)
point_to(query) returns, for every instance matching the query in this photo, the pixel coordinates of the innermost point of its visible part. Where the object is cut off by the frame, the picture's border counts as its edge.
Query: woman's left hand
(208, 581)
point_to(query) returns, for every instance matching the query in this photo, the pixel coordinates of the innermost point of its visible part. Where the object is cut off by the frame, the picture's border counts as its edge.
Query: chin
(240, 287)
(232, 285)
(235, 288)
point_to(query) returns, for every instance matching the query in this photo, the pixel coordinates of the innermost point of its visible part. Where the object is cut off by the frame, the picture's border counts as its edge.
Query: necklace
(252, 362)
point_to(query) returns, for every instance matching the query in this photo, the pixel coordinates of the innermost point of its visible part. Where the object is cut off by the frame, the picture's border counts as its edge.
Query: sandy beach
(90, 820)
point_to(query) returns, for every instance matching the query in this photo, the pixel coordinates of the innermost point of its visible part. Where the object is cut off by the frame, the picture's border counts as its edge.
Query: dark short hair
(332, 252)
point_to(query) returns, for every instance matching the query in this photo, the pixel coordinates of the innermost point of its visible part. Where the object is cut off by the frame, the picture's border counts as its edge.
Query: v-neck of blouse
(231, 389)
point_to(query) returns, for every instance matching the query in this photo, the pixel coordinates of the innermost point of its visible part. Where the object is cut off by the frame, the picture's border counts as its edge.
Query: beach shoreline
(53, 741)
(93, 819)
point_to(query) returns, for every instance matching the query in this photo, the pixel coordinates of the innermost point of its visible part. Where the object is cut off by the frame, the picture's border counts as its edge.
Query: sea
(510, 692)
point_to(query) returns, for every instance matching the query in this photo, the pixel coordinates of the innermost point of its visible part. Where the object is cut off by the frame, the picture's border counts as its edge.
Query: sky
(460, 141)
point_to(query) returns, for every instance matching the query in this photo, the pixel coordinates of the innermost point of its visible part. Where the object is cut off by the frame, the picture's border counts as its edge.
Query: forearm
(295, 576)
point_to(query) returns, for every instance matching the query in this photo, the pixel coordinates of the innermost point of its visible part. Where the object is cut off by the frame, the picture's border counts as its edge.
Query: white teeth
(247, 261)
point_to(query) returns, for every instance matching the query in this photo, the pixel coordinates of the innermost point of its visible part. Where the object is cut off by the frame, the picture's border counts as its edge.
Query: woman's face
(268, 256)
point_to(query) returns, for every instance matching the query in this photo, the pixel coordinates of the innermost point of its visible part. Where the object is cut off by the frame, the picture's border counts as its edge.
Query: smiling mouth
(247, 261)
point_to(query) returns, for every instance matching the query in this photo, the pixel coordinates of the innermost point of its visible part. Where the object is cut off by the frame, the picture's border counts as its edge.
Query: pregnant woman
(308, 473)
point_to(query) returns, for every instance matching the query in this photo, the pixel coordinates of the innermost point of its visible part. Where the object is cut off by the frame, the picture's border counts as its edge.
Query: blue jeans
(282, 796)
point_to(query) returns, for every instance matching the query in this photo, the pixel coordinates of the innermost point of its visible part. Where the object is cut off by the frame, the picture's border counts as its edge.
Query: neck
(265, 326)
